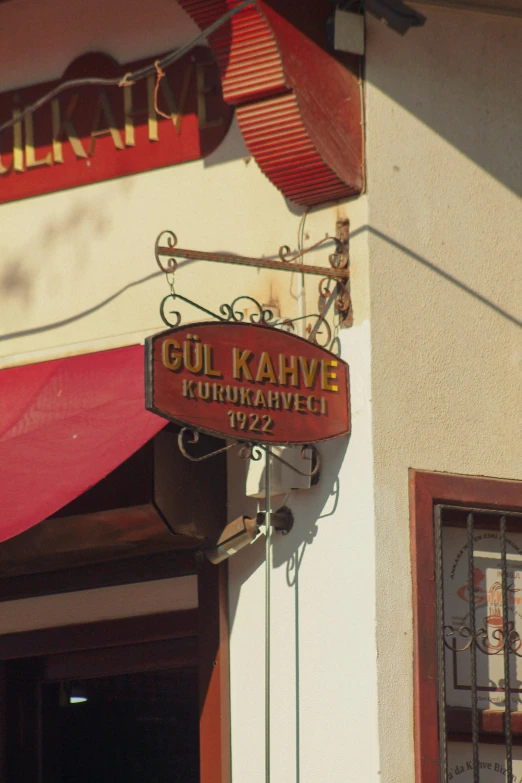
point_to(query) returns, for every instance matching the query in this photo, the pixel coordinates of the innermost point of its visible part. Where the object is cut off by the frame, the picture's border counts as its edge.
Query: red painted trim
(99, 635)
(298, 106)
(214, 718)
(427, 489)
(196, 135)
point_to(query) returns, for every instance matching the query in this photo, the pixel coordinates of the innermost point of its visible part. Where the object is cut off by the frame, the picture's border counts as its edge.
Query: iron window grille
(478, 595)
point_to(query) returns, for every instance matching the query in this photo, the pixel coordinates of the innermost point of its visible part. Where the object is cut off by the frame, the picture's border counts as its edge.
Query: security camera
(235, 536)
(243, 531)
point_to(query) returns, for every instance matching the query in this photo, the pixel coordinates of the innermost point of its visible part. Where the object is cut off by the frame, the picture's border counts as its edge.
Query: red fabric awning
(64, 425)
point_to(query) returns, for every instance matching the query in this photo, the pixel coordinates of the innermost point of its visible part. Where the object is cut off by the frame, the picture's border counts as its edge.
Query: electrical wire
(268, 542)
(131, 77)
(301, 295)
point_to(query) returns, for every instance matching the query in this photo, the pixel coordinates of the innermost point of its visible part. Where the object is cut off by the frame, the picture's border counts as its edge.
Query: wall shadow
(458, 75)
(489, 303)
(312, 508)
(309, 506)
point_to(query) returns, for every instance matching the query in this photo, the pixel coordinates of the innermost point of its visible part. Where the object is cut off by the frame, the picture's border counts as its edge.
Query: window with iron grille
(467, 581)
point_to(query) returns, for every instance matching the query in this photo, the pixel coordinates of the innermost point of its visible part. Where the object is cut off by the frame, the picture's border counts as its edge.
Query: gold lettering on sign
(206, 386)
(31, 161)
(130, 113)
(193, 354)
(327, 375)
(309, 371)
(259, 400)
(273, 400)
(103, 108)
(18, 151)
(232, 394)
(188, 389)
(209, 370)
(288, 367)
(5, 169)
(300, 403)
(265, 370)
(287, 399)
(66, 127)
(240, 366)
(245, 396)
(252, 398)
(203, 91)
(170, 360)
(218, 392)
(311, 405)
(177, 112)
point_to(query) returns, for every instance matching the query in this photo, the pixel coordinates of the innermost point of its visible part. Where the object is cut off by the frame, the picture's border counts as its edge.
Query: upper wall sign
(247, 382)
(92, 134)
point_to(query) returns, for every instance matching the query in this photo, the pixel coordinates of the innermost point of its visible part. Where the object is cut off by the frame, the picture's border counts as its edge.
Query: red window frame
(427, 490)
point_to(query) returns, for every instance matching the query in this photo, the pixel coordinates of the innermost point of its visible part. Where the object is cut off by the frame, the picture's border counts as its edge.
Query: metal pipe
(473, 652)
(441, 660)
(506, 645)
(268, 541)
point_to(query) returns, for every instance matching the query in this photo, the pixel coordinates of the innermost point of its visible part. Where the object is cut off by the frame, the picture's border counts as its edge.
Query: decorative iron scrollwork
(166, 247)
(515, 643)
(159, 251)
(464, 631)
(320, 332)
(173, 318)
(188, 437)
(262, 315)
(489, 642)
(316, 461)
(250, 451)
(245, 309)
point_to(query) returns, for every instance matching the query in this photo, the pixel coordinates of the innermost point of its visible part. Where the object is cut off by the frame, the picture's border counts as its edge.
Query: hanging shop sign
(247, 382)
(92, 133)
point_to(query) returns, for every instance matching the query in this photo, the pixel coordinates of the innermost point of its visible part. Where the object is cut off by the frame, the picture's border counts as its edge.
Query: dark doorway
(135, 728)
(157, 693)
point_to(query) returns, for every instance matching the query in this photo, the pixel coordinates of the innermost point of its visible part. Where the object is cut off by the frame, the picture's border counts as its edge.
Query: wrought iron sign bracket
(338, 272)
(183, 363)
(254, 451)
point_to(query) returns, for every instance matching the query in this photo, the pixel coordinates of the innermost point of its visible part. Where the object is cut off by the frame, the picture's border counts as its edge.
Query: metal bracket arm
(287, 261)
(338, 272)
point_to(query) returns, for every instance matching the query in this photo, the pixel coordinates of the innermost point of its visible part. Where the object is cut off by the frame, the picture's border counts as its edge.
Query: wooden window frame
(202, 637)
(427, 490)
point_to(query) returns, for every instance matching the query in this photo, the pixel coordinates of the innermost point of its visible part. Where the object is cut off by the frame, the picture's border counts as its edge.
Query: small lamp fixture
(77, 695)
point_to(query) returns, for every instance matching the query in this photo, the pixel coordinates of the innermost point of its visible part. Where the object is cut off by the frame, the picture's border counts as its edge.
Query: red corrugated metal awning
(64, 425)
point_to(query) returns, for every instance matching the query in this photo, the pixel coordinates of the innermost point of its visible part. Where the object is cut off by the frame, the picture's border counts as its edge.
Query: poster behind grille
(487, 588)
(492, 763)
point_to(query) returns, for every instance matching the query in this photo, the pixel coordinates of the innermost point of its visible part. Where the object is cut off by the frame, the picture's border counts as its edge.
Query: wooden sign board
(93, 133)
(249, 382)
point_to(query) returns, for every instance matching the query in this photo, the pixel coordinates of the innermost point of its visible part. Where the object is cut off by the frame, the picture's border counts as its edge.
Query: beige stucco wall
(77, 274)
(77, 267)
(102, 603)
(444, 134)
(323, 654)
(436, 239)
